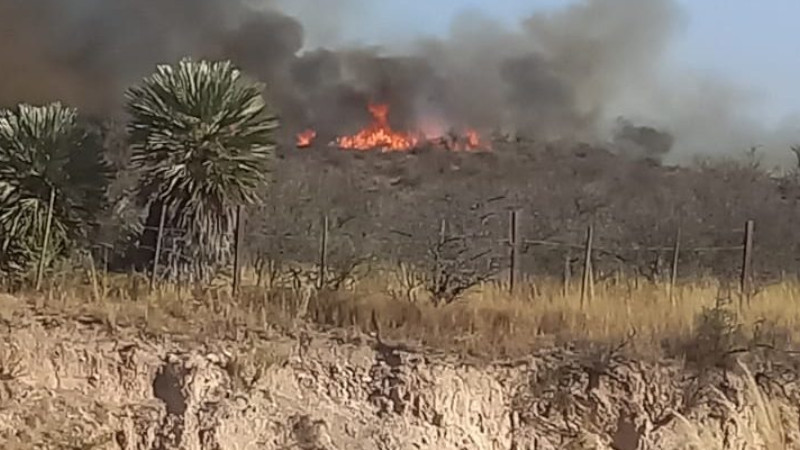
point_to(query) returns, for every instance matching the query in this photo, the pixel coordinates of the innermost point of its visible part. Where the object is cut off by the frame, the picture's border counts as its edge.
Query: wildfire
(378, 134)
(468, 142)
(473, 140)
(306, 138)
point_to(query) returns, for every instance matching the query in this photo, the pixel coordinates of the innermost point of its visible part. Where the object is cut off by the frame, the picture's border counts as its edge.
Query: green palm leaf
(43, 149)
(202, 140)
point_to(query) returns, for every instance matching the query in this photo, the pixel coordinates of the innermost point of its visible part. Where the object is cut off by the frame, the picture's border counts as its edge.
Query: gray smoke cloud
(564, 74)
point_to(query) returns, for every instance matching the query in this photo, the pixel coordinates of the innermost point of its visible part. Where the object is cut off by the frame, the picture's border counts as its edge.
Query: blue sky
(753, 43)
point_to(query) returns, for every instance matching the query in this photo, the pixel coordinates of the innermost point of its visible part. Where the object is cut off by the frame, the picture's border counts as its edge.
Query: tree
(45, 152)
(202, 139)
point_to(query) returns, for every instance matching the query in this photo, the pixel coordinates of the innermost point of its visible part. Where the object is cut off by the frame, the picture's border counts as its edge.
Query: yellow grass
(487, 321)
(491, 320)
(760, 421)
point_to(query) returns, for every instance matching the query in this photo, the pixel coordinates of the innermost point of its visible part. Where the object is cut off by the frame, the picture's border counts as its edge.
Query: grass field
(486, 321)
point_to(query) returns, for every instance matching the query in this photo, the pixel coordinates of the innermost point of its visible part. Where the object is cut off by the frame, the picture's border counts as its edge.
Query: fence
(503, 256)
(481, 241)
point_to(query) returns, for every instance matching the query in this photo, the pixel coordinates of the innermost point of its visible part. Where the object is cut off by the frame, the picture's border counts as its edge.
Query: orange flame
(473, 140)
(378, 134)
(467, 142)
(306, 138)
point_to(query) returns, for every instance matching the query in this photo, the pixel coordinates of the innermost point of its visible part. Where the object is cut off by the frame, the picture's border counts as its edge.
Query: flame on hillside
(306, 138)
(379, 135)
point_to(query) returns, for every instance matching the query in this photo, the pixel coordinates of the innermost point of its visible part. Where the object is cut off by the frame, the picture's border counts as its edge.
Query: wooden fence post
(567, 273)
(174, 261)
(437, 264)
(745, 281)
(105, 270)
(157, 256)
(513, 240)
(46, 241)
(673, 275)
(323, 252)
(237, 251)
(587, 288)
(179, 272)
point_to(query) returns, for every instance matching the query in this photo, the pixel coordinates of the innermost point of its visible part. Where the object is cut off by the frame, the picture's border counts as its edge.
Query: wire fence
(500, 250)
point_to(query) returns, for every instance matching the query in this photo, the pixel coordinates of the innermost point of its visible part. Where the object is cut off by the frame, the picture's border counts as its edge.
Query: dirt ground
(68, 382)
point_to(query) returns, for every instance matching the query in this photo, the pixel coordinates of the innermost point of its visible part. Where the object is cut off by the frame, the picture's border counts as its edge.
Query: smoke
(564, 74)
(642, 141)
(85, 52)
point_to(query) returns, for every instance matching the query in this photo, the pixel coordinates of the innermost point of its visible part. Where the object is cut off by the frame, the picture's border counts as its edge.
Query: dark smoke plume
(558, 75)
(642, 141)
(86, 52)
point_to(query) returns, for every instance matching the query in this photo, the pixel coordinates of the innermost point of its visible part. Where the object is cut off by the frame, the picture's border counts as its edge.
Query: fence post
(745, 280)
(437, 266)
(673, 276)
(567, 273)
(157, 256)
(237, 252)
(179, 270)
(46, 241)
(173, 260)
(323, 252)
(513, 240)
(587, 288)
(105, 270)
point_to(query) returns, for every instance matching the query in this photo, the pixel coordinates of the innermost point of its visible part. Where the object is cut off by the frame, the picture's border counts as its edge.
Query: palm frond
(42, 148)
(202, 140)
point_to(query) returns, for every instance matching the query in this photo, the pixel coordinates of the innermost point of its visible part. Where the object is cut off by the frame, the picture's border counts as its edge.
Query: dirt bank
(81, 384)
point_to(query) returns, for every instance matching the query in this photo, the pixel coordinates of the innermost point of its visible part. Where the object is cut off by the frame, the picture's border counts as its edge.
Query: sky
(753, 43)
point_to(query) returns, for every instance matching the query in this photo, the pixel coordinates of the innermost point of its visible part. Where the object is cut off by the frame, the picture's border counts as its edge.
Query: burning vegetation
(306, 138)
(555, 75)
(379, 135)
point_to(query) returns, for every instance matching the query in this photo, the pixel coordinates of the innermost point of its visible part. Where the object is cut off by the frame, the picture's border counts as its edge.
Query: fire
(473, 140)
(378, 134)
(469, 141)
(306, 138)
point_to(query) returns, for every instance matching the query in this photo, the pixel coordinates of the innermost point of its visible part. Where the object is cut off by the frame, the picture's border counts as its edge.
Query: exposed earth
(81, 384)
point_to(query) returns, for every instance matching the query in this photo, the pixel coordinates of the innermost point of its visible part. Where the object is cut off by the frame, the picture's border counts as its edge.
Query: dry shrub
(716, 341)
(760, 421)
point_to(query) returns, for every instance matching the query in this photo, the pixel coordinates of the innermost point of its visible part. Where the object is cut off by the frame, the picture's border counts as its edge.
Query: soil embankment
(67, 383)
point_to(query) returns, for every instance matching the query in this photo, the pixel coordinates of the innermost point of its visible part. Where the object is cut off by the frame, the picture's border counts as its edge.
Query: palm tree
(202, 140)
(46, 157)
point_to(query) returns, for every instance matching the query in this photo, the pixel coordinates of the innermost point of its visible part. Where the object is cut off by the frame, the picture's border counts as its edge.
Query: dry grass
(761, 422)
(488, 321)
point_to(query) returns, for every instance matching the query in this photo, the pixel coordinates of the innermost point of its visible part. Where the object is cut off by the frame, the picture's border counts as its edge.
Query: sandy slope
(67, 384)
